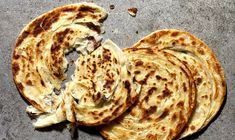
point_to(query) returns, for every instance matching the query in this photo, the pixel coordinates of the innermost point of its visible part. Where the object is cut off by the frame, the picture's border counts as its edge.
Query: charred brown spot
(20, 86)
(106, 55)
(107, 119)
(82, 62)
(132, 113)
(76, 100)
(171, 133)
(164, 114)
(136, 72)
(205, 96)
(86, 11)
(192, 127)
(180, 126)
(181, 39)
(183, 44)
(60, 36)
(174, 34)
(163, 128)
(149, 51)
(151, 136)
(173, 63)
(97, 96)
(16, 56)
(115, 60)
(160, 78)
(166, 93)
(69, 9)
(149, 111)
(151, 90)
(29, 82)
(201, 51)
(55, 48)
(94, 68)
(115, 112)
(101, 114)
(85, 8)
(199, 81)
(185, 63)
(127, 86)
(144, 81)
(193, 43)
(171, 82)
(22, 37)
(139, 63)
(40, 43)
(66, 44)
(15, 68)
(93, 27)
(184, 87)
(108, 83)
(146, 98)
(180, 104)
(42, 83)
(174, 117)
(44, 23)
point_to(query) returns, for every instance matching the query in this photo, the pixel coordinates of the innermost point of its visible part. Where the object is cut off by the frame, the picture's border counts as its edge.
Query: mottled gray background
(212, 20)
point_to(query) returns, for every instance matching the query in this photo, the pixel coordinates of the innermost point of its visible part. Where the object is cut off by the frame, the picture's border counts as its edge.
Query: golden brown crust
(38, 61)
(150, 117)
(196, 53)
(102, 86)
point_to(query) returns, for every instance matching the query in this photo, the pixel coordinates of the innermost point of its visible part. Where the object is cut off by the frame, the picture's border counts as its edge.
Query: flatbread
(39, 63)
(102, 87)
(202, 62)
(166, 101)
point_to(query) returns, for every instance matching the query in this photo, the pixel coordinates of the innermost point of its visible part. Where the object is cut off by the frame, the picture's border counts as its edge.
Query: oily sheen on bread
(166, 101)
(204, 66)
(39, 63)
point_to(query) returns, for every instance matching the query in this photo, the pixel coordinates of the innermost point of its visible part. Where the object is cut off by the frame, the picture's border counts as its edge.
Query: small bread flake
(132, 11)
(112, 7)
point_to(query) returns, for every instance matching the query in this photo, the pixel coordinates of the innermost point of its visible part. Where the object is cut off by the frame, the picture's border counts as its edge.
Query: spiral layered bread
(206, 73)
(166, 98)
(39, 66)
(102, 87)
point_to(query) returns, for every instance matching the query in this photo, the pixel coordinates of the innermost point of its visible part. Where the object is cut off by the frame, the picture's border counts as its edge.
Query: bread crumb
(112, 7)
(132, 11)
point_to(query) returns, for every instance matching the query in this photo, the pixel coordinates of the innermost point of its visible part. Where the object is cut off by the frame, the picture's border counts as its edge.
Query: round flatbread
(102, 87)
(206, 71)
(166, 101)
(39, 63)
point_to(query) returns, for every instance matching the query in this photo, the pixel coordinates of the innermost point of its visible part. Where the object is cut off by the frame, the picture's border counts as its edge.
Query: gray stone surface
(212, 20)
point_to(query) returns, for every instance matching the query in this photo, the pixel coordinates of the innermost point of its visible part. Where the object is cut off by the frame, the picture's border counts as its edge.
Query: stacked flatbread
(168, 85)
(173, 116)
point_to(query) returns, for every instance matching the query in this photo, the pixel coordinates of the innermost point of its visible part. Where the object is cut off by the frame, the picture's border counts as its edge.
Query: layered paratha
(39, 63)
(102, 87)
(206, 71)
(166, 101)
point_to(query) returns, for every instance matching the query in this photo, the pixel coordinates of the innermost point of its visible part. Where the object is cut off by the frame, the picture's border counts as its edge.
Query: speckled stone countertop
(212, 20)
